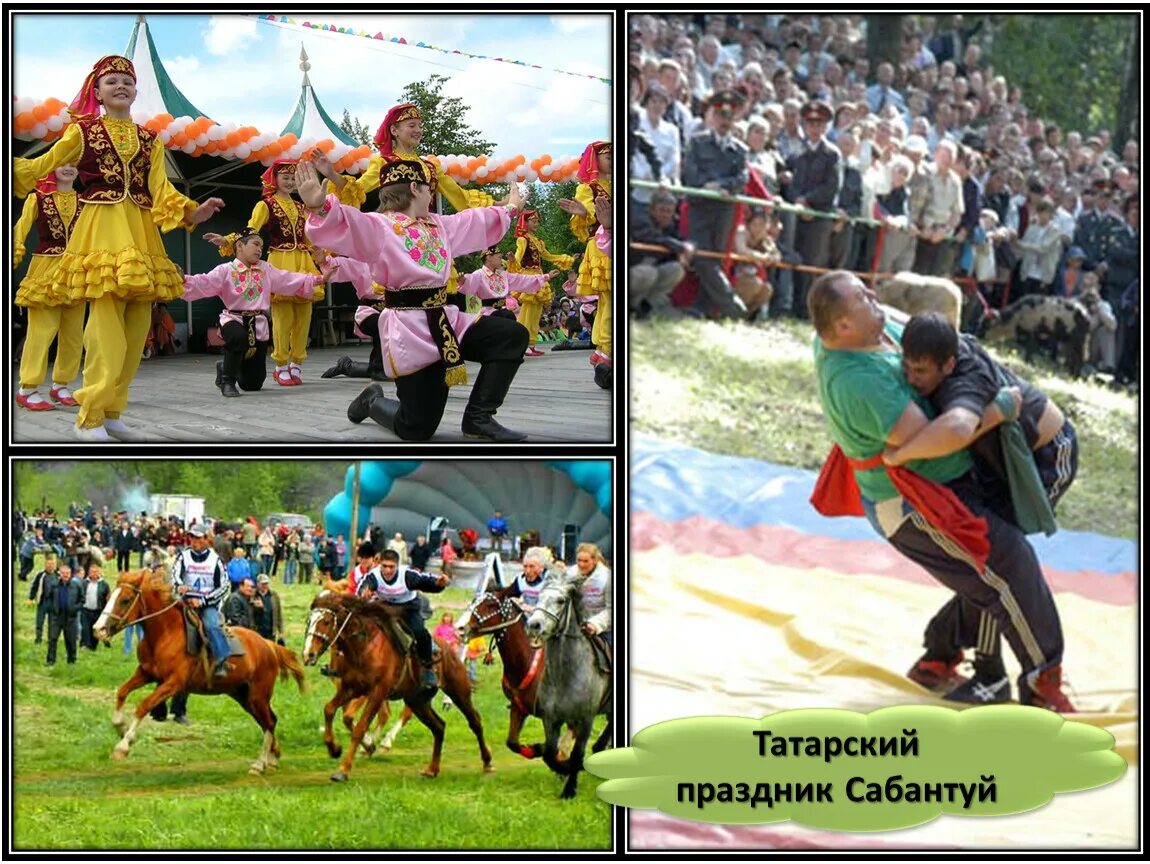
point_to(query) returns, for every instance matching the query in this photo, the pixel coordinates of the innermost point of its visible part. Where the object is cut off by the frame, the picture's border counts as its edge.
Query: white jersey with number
(199, 576)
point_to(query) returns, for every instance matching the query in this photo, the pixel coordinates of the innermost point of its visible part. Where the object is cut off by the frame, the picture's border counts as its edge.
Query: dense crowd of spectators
(962, 179)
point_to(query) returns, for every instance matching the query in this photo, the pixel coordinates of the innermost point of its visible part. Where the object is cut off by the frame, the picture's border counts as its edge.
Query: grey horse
(573, 690)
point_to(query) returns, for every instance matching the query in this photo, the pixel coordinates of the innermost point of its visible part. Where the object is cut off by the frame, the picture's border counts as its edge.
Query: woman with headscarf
(115, 258)
(530, 253)
(595, 269)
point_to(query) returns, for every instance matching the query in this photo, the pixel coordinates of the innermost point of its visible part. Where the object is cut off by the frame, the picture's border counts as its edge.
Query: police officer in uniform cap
(814, 184)
(716, 160)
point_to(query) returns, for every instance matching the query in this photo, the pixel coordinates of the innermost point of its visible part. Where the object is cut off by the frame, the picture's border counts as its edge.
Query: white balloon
(363, 164)
(24, 104)
(38, 131)
(243, 151)
(202, 141)
(546, 170)
(532, 175)
(216, 133)
(481, 171)
(141, 116)
(181, 121)
(55, 123)
(190, 147)
(166, 135)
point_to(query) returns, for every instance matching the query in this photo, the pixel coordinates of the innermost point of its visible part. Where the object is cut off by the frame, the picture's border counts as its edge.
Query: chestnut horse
(494, 613)
(371, 666)
(146, 598)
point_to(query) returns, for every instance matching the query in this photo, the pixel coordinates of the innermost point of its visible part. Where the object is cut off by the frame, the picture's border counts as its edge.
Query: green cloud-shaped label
(844, 771)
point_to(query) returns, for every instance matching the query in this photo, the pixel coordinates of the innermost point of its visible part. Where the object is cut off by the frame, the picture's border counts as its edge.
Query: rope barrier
(767, 203)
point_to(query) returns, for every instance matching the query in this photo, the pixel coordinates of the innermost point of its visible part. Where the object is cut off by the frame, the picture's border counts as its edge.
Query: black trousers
(88, 619)
(370, 326)
(1011, 589)
(423, 394)
(66, 625)
(709, 228)
(813, 243)
(413, 618)
(123, 560)
(179, 708)
(249, 373)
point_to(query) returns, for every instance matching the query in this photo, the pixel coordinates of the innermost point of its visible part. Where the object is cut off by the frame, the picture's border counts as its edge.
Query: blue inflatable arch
(543, 496)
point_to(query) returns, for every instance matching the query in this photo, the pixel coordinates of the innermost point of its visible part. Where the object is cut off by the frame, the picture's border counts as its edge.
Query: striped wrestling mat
(745, 601)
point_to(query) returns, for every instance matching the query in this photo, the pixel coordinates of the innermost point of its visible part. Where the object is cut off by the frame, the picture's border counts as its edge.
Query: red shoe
(532, 351)
(1044, 690)
(937, 674)
(61, 395)
(598, 357)
(296, 374)
(34, 402)
(283, 378)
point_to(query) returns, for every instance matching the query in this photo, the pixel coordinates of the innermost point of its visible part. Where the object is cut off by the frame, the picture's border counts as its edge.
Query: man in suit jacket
(814, 185)
(124, 542)
(96, 593)
(65, 597)
(38, 596)
(846, 237)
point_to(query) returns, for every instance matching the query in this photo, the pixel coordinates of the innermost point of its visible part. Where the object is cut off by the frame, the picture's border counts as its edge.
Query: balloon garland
(46, 121)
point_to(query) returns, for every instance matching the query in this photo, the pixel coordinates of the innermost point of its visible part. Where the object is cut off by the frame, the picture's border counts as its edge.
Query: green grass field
(187, 787)
(751, 391)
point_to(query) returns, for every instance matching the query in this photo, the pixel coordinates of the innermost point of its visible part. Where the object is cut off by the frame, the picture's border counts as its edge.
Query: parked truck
(188, 508)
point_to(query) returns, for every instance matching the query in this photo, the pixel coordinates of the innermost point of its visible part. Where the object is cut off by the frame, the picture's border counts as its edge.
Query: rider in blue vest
(391, 583)
(200, 578)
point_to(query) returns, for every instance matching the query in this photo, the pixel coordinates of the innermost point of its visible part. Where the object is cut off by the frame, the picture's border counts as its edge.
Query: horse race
(331, 603)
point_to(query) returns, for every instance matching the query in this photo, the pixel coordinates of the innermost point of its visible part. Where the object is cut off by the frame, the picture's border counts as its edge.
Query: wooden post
(353, 540)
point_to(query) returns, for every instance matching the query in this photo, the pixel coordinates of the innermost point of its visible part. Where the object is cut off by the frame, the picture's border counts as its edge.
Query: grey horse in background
(573, 690)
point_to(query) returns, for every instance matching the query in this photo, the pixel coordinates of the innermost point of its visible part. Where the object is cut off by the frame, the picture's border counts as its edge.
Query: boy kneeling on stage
(245, 285)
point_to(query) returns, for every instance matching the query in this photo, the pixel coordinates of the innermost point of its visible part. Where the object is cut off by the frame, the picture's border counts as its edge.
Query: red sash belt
(837, 494)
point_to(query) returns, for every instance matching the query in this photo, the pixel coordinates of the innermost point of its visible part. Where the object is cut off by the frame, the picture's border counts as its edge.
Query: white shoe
(122, 432)
(97, 433)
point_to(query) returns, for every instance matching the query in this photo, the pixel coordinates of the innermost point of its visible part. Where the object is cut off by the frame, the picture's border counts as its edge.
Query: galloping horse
(146, 598)
(372, 667)
(494, 613)
(573, 689)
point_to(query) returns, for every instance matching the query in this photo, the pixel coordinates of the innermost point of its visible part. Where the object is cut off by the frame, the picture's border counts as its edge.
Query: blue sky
(238, 69)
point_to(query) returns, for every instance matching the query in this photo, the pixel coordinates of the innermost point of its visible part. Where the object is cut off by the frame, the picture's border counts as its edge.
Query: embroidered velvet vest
(284, 233)
(105, 176)
(532, 260)
(50, 225)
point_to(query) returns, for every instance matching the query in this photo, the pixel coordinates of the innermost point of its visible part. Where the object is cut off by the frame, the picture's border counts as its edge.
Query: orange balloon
(178, 140)
(275, 148)
(165, 119)
(289, 140)
(41, 113)
(233, 139)
(24, 121)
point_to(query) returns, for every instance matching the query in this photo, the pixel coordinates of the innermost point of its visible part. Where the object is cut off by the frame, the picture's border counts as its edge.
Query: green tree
(353, 127)
(1070, 67)
(445, 127)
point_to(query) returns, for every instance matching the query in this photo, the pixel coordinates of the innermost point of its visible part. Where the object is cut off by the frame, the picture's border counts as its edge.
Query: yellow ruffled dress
(595, 268)
(36, 287)
(115, 249)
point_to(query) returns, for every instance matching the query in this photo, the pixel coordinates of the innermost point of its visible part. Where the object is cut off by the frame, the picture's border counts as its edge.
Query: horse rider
(399, 586)
(594, 578)
(202, 582)
(530, 581)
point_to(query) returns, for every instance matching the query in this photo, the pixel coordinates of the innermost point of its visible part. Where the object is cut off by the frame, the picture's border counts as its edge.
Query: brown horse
(371, 666)
(493, 613)
(146, 598)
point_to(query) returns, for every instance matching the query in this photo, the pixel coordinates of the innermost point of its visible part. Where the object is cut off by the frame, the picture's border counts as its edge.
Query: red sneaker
(937, 674)
(598, 357)
(1043, 689)
(532, 352)
(296, 374)
(34, 401)
(61, 395)
(283, 378)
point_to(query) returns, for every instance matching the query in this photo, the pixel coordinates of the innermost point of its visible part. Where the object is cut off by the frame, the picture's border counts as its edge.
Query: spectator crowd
(934, 165)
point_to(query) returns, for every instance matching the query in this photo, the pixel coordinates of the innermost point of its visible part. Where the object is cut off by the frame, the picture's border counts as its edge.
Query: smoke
(134, 498)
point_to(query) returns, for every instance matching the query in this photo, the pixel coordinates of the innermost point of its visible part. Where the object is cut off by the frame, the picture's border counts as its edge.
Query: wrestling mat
(745, 601)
